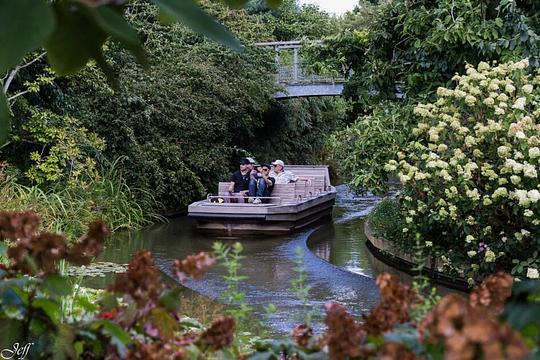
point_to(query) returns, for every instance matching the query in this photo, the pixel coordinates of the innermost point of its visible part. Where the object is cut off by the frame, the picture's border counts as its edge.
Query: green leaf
(273, 3)
(119, 337)
(189, 13)
(25, 26)
(57, 285)
(12, 331)
(163, 321)
(171, 299)
(63, 343)
(5, 119)
(115, 25)
(76, 39)
(49, 307)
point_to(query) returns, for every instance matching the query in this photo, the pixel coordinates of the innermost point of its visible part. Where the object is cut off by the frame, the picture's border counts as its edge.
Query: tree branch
(17, 95)
(14, 72)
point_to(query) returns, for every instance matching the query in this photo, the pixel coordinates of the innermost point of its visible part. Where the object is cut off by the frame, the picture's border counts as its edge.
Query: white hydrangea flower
(521, 196)
(532, 273)
(470, 141)
(483, 66)
(501, 192)
(522, 65)
(528, 88)
(489, 101)
(489, 256)
(519, 103)
(534, 152)
(470, 100)
(503, 151)
(471, 253)
(473, 194)
(529, 171)
(533, 195)
(509, 88)
(404, 178)
(469, 239)
(442, 148)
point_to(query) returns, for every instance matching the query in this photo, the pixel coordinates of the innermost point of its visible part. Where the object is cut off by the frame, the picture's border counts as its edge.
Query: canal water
(339, 267)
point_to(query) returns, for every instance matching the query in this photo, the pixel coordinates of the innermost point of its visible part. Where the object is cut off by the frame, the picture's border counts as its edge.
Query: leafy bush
(420, 45)
(361, 148)
(471, 179)
(387, 221)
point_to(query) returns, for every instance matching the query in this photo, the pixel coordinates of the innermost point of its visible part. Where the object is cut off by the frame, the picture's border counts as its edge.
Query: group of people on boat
(254, 182)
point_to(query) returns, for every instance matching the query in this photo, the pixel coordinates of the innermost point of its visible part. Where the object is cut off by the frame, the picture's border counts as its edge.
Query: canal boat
(289, 208)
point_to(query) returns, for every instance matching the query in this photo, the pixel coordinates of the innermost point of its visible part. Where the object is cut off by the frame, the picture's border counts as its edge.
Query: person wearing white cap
(283, 176)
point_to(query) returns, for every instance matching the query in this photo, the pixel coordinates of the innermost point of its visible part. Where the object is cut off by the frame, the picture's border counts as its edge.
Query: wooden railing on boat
(293, 192)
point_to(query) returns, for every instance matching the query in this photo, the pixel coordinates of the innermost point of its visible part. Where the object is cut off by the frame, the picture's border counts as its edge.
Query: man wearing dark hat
(240, 178)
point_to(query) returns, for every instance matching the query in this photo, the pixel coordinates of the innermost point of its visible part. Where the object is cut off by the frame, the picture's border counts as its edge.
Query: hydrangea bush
(471, 187)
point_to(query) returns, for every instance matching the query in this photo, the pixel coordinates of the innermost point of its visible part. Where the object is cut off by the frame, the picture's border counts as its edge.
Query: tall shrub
(470, 180)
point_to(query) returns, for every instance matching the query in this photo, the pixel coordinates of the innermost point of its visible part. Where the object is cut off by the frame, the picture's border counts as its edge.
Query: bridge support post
(295, 65)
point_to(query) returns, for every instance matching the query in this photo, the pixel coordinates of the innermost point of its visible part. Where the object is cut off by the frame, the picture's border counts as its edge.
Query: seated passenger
(240, 179)
(283, 176)
(261, 184)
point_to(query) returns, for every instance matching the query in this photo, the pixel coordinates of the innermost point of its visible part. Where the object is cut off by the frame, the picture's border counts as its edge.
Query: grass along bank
(68, 209)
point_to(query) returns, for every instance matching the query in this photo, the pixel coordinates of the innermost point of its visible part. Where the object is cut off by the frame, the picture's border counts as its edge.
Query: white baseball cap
(278, 162)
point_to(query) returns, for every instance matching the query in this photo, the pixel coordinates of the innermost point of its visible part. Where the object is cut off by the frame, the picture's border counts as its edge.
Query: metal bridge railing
(290, 74)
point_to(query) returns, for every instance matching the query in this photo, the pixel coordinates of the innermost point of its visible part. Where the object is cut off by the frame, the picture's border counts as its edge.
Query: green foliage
(74, 32)
(230, 257)
(339, 53)
(299, 285)
(67, 151)
(420, 45)
(370, 141)
(185, 121)
(296, 130)
(292, 21)
(387, 222)
(70, 209)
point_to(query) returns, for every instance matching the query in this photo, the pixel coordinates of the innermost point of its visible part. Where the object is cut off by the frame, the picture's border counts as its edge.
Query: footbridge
(293, 76)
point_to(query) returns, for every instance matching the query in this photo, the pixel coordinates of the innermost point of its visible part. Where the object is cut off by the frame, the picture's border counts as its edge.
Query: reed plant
(68, 208)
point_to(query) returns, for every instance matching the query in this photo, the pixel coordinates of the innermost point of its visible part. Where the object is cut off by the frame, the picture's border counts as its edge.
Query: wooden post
(295, 65)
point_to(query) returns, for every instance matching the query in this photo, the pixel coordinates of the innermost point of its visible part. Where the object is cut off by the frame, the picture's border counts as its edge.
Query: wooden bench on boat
(290, 207)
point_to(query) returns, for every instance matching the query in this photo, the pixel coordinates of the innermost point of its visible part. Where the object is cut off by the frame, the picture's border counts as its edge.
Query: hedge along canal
(339, 267)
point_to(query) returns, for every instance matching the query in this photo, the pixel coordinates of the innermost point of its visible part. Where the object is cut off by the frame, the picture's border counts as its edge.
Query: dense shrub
(363, 147)
(387, 222)
(471, 185)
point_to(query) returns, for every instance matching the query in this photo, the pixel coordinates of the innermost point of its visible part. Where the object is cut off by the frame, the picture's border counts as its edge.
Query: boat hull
(251, 220)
